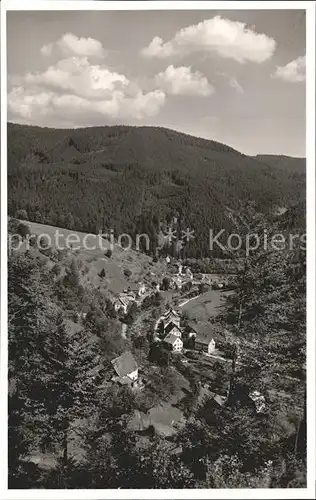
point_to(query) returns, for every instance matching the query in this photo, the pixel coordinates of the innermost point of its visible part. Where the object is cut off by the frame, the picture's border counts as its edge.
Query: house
(176, 282)
(219, 392)
(173, 342)
(155, 285)
(173, 329)
(139, 290)
(239, 397)
(259, 401)
(188, 273)
(171, 316)
(126, 369)
(121, 304)
(129, 293)
(204, 335)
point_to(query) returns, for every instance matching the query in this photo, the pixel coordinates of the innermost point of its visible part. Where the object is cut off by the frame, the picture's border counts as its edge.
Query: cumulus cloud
(294, 71)
(72, 45)
(229, 39)
(183, 81)
(236, 85)
(47, 50)
(78, 92)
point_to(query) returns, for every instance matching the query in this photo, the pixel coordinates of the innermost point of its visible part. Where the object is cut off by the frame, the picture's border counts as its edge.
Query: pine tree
(72, 367)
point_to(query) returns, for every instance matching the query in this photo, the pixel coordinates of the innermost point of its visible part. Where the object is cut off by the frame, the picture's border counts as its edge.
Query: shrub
(102, 273)
(23, 230)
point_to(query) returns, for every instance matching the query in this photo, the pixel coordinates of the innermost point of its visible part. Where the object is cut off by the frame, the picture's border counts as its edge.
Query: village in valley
(163, 304)
(188, 341)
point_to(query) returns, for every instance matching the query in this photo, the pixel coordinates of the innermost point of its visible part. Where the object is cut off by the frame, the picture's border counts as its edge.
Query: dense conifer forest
(135, 179)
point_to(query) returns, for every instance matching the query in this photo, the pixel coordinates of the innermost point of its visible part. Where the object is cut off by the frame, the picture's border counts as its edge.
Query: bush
(128, 273)
(23, 230)
(102, 273)
(108, 253)
(13, 225)
(192, 355)
(22, 214)
(165, 283)
(56, 269)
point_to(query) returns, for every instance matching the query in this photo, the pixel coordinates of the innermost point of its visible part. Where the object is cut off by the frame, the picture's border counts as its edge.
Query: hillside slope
(133, 179)
(287, 163)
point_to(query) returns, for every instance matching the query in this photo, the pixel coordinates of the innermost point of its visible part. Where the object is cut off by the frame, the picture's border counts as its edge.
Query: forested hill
(287, 163)
(137, 178)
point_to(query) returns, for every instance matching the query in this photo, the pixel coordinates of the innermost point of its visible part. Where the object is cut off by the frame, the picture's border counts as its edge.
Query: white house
(176, 282)
(173, 342)
(259, 401)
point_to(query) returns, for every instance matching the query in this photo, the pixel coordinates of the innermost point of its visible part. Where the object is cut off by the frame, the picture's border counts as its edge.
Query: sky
(236, 77)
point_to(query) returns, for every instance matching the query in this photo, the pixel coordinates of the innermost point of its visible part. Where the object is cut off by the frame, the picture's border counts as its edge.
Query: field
(206, 306)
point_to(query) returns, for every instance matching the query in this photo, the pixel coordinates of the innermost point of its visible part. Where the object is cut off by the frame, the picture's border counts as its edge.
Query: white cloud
(236, 85)
(182, 81)
(294, 71)
(47, 50)
(229, 39)
(77, 76)
(72, 45)
(75, 91)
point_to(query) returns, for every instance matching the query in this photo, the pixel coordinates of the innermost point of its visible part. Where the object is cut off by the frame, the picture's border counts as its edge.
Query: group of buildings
(132, 294)
(169, 331)
(173, 335)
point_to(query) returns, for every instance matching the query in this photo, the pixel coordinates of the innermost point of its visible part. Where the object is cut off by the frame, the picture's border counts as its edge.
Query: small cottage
(139, 289)
(173, 343)
(126, 369)
(259, 401)
(176, 282)
(121, 304)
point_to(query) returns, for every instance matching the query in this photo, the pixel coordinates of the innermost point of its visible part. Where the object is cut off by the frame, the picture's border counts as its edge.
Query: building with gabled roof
(173, 342)
(173, 329)
(171, 316)
(126, 369)
(121, 303)
(204, 335)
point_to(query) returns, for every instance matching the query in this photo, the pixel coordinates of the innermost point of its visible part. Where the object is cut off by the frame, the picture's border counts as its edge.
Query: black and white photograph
(158, 249)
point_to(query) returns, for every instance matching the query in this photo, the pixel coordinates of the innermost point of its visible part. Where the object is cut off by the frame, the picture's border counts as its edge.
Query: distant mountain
(138, 178)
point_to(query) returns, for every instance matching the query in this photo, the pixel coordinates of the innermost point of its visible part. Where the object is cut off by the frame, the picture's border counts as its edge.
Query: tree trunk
(65, 442)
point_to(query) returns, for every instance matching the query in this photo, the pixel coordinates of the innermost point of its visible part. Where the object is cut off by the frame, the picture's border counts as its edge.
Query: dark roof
(124, 364)
(170, 339)
(171, 313)
(204, 333)
(171, 326)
